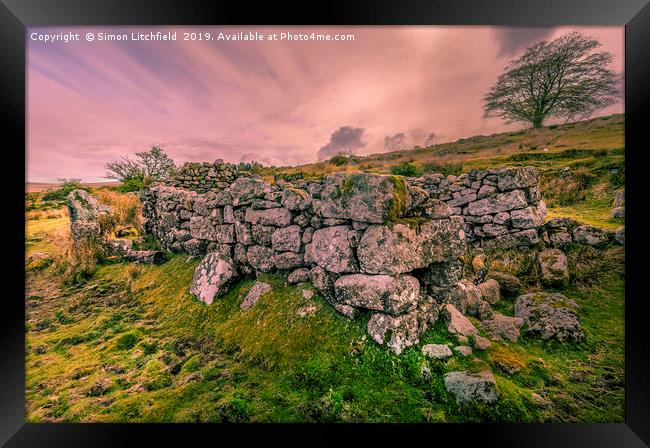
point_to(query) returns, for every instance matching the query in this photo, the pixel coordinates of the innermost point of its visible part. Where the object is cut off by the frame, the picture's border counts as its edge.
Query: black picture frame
(16, 15)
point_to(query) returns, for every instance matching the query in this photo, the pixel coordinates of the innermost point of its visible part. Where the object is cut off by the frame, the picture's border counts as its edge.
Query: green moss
(399, 201)
(346, 186)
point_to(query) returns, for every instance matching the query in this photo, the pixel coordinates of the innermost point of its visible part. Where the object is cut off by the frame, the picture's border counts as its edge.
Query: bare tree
(149, 166)
(561, 78)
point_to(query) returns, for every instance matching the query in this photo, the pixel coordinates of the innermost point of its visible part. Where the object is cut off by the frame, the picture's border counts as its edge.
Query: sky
(278, 102)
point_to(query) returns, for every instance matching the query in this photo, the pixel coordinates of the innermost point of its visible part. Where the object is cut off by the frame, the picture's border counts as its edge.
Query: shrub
(289, 177)
(339, 160)
(407, 169)
(583, 177)
(444, 168)
(130, 185)
(61, 194)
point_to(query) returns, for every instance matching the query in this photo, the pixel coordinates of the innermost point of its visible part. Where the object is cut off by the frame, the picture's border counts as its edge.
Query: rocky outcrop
(84, 212)
(549, 316)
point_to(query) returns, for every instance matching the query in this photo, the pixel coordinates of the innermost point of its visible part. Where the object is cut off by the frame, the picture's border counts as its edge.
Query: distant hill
(37, 187)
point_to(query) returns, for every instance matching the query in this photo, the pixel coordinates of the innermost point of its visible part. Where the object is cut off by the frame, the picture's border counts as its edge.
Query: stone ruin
(382, 244)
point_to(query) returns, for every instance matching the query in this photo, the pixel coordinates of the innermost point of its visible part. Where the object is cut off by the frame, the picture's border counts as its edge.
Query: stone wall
(501, 206)
(367, 242)
(204, 177)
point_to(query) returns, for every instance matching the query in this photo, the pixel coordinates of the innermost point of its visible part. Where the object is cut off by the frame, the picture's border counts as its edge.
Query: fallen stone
(254, 294)
(554, 267)
(463, 350)
(618, 212)
(560, 239)
(456, 322)
(481, 343)
(403, 330)
(549, 316)
(619, 236)
(590, 235)
(468, 387)
(502, 327)
(436, 351)
(509, 284)
(490, 291)
(120, 246)
(146, 256)
(212, 276)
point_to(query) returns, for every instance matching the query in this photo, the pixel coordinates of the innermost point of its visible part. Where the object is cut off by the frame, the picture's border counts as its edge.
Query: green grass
(266, 364)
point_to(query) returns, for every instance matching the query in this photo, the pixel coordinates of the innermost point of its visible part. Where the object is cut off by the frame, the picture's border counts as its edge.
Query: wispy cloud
(278, 102)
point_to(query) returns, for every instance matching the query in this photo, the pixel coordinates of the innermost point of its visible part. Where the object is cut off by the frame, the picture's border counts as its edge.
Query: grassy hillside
(592, 150)
(125, 342)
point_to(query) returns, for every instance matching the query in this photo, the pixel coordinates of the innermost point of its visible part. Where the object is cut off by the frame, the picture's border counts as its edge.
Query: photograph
(325, 224)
